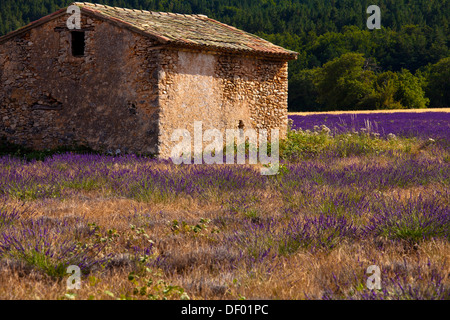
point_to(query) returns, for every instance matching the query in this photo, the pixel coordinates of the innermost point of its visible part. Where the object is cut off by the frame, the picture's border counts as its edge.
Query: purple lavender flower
(426, 125)
(49, 248)
(416, 219)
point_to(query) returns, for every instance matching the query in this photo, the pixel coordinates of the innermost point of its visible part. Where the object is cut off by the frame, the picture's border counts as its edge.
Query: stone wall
(107, 99)
(127, 93)
(222, 91)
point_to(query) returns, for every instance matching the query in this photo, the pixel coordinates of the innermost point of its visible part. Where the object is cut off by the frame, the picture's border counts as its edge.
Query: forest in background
(342, 65)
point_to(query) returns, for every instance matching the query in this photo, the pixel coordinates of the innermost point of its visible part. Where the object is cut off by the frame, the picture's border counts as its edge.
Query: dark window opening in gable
(241, 128)
(78, 43)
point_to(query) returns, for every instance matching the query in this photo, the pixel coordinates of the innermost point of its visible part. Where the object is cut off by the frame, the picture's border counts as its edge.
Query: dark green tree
(344, 84)
(437, 87)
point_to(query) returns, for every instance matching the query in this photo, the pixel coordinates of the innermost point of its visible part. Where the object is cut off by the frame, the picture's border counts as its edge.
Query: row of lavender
(434, 125)
(144, 179)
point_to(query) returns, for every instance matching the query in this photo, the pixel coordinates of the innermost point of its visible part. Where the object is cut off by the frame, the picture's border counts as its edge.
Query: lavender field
(435, 125)
(352, 191)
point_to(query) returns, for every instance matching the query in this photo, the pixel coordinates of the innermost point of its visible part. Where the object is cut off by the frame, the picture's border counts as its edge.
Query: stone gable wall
(107, 99)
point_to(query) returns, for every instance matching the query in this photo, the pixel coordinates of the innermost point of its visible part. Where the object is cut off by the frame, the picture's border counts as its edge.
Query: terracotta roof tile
(190, 30)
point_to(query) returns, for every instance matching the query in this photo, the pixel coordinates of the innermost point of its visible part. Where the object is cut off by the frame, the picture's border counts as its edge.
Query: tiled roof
(188, 30)
(183, 30)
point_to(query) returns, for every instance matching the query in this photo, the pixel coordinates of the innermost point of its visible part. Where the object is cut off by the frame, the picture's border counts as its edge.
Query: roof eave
(88, 12)
(287, 55)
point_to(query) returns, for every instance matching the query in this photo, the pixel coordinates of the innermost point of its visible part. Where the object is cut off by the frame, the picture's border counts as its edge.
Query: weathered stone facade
(106, 99)
(221, 91)
(127, 91)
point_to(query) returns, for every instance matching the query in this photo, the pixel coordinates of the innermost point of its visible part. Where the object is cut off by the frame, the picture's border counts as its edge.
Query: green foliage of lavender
(50, 245)
(417, 220)
(395, 284)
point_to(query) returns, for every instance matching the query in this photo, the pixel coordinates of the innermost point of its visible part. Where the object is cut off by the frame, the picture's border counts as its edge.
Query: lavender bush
(417, 219)
(50, 248)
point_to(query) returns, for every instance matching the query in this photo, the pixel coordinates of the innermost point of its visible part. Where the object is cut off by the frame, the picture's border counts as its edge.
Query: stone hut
(125, 79)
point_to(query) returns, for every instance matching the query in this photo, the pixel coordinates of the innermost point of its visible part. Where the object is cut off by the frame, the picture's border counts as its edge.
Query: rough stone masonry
(128, 78)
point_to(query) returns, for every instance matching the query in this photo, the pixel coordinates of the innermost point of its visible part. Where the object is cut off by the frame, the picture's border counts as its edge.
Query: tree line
(403, 65)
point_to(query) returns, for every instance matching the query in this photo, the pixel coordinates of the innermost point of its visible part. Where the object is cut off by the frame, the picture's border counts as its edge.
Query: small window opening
(241, 128)
(78, 43)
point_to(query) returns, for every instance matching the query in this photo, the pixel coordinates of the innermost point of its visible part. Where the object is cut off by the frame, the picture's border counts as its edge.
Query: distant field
(409, 123)
(373, 111)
